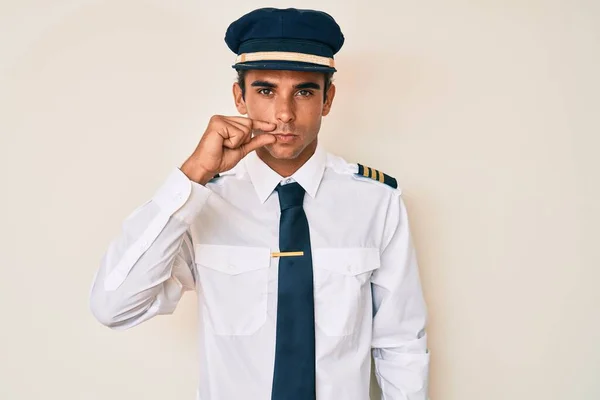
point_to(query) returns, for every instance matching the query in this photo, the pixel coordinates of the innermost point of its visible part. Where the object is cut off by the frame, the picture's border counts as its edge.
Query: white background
(486, 112)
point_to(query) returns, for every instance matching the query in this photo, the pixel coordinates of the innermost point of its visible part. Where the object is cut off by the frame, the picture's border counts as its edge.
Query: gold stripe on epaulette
(367, 171)
(374, 173)
(381, 177)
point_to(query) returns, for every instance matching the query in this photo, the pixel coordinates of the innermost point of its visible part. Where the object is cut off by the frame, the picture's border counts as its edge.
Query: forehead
(284, 77)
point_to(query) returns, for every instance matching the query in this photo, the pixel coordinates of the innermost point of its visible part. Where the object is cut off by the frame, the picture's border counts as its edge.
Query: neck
(287, 167)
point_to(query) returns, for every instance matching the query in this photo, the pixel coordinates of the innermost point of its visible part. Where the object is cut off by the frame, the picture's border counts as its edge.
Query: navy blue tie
(294, 374)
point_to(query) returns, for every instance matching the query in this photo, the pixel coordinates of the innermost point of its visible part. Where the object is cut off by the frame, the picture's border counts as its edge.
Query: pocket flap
(232, 260)
(347, 261)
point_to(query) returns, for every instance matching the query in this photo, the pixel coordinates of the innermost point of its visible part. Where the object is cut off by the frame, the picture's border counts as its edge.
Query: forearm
(144, 292)
(400, 348)
(400, 315)
(403, 371)
(148, 266)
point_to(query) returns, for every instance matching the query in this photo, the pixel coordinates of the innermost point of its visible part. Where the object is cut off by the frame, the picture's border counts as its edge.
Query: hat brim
(283, 66)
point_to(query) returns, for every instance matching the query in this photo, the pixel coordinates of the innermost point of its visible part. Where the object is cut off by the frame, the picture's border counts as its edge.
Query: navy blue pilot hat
(285, 39)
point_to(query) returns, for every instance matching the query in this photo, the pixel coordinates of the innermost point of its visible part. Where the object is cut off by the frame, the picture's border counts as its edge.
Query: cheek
(259, 109)
(310, 115)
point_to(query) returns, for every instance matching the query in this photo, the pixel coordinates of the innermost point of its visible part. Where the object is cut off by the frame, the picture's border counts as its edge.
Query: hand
(225, 142)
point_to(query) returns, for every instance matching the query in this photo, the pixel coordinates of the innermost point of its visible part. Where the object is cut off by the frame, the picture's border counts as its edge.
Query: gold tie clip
(288, 254)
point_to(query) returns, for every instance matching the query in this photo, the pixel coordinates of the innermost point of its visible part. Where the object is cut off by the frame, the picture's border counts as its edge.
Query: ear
(240, 103)
(329, 100)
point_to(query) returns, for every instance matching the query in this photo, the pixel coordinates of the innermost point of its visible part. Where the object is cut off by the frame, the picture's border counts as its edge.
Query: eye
(265, 92)
(305, 93)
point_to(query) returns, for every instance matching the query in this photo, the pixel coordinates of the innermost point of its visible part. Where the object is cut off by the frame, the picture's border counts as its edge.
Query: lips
(285, 137)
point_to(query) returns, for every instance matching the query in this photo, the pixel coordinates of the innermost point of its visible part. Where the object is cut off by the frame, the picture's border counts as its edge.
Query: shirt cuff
(180, 197)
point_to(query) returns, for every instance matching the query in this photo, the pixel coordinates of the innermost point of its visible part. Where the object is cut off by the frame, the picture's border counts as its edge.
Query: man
(302, 261)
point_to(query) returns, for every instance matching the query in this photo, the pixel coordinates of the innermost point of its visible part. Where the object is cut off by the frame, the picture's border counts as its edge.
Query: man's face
(291, 99)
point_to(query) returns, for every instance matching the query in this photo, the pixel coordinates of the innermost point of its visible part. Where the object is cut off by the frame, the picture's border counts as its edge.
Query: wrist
(196, 173)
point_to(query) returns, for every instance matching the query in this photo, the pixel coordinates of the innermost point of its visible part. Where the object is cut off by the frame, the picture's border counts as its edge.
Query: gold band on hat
(285, 56)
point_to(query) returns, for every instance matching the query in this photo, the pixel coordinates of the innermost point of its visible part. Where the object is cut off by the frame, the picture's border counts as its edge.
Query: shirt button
(143, 245)
(349, 268)
(288, 180)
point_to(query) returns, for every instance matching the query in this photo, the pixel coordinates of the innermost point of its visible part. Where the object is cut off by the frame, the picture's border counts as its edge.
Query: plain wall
(486, 112)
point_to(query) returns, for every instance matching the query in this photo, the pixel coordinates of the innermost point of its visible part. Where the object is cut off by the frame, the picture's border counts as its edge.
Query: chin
(283, 152)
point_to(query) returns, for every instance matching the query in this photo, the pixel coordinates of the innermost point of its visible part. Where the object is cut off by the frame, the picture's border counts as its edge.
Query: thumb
(258, 141)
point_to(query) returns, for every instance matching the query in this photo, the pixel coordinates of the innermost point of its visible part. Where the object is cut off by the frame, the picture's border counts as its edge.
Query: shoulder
(362, 174)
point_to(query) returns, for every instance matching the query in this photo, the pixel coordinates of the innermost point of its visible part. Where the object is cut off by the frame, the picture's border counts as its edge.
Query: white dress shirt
(218, 239)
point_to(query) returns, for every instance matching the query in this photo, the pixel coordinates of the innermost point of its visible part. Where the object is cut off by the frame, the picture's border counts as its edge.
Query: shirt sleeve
(400, 314)
(149, 265)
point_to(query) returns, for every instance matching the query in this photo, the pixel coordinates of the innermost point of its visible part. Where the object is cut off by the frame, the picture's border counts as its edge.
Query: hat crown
(286, 25)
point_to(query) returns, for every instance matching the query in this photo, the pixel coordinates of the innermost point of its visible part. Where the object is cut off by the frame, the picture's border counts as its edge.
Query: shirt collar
(265, 180)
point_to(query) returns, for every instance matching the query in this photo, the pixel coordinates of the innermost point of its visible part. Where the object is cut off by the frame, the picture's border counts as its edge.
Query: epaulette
(377, 176)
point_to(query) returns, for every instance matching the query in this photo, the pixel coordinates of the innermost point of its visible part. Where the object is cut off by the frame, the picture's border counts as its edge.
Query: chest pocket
(233, 284)
(342, 287)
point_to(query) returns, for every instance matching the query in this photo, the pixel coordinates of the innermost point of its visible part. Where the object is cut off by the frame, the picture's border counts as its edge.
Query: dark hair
(241, 79)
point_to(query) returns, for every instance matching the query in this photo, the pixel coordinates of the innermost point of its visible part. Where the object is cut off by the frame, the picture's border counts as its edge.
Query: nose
(285, 112)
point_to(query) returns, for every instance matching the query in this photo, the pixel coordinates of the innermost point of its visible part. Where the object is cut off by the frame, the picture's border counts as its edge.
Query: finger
(243, 121)
(255, 123)
(245, 127)
(247, 139)
(263, 125)
(257, 142)
(232, 136)
(247, 132)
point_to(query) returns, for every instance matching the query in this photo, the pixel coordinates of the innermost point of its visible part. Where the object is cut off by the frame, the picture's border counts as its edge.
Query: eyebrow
(304, 85)
(264, 84)
(308, 85)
